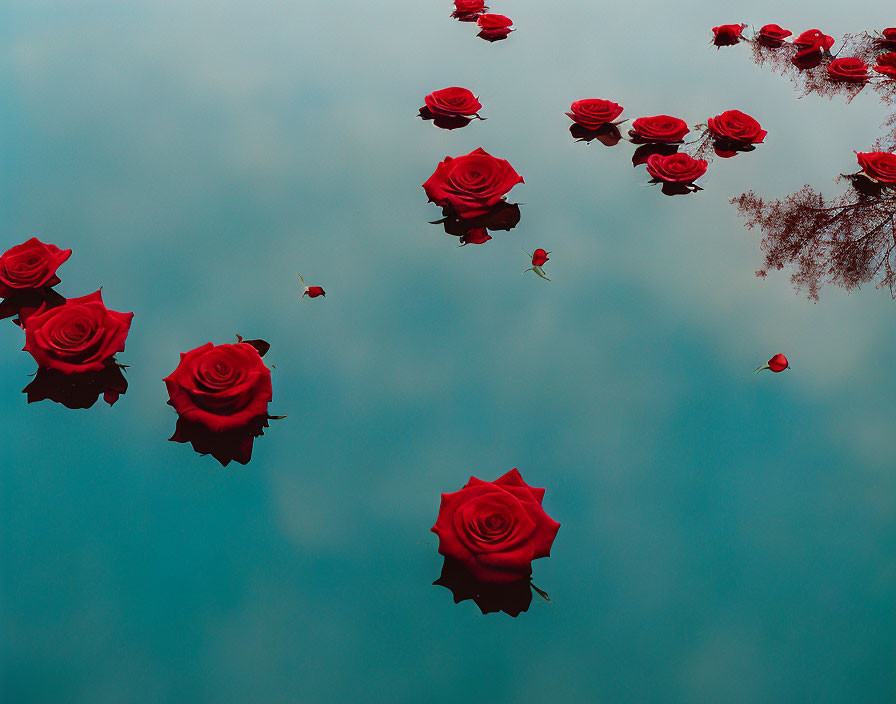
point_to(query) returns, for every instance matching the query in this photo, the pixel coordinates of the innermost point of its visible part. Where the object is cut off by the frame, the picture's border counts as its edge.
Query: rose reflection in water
(512, 598)
(77, 390)
(504, 216)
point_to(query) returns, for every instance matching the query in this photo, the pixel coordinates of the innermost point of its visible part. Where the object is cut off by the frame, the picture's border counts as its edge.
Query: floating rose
(734, 131)
(468, 10)
(451, 108)
(593, 113)
(881, 166)
(848, 69)
(886, 64)
(677, 172)
(82, 335)
(814, 39)
(778, 363)
(539, 258)
(221, 395)
(27, 277)
(658, 128)
(727, 34)
(495, 529)
(471, 185)
(772, 36)
(494, 27)
(888, 38)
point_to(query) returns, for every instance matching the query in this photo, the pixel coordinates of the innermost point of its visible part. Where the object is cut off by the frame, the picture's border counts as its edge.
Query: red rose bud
(886, 64)
(848, 69)
(778, 363)
(593, 113)
(814, 39)
(772, 35)
(881, 166)
(676, 168)
(471, 185)
(658, 128)
(29, 266)
(311, 291)
(452, 102)
(736, 126)
(539, 257)
(494, 27)
(727, 34)
(495, 529)
(82, 335)
(223, 388)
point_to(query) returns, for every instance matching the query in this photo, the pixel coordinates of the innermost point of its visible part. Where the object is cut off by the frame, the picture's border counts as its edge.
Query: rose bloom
(736, 126)
(594, 112)
(223, 387)
(727, 34)
(472, 184)
(848, 69)
(815, 39)
(30, 265)
(82, 335)
(493, 22)
(886, 64)
(659, 128)
(539, 257)
(772, 35)
(676, 168)
(888, 37)
(465, 7)
(495, 529)
(880, 166)
(451, 102)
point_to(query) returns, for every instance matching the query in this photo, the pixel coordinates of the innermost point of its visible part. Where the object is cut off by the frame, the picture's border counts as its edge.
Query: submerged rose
(29, 266)
(659, 128)
(736, 126)
(495, 529)
(472, 184)
(676, 168)
(593, 113)
(82, 335)
(848, 69)
(880, 166)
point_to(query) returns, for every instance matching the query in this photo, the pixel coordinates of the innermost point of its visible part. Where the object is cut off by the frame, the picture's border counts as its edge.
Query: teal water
(725, 537)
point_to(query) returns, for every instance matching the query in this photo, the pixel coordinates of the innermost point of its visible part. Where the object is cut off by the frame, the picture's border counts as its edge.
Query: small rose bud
(312, 291)
(778, 363)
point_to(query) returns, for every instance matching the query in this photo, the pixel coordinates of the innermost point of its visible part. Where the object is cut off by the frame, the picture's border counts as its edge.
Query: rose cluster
(659, 137)
(492, 27)
(73, 340)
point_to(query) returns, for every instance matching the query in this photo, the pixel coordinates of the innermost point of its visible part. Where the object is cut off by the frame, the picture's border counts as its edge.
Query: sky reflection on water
(725, 537)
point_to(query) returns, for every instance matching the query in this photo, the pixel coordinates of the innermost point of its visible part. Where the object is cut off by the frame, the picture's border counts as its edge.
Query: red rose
(593, 112)
(495, 529)
(848, 69)
(727, 34)
(736, 126)
(814, 39)
(773, 36)
(465, 7)
(888, 37)
(539, 257)
(675, 168)
(886, 64)
(223, 388)
(452, 102)
(489, 21)
(880, 166)
(659, 128)
(30, 265)
(82, 335)
(471, 185)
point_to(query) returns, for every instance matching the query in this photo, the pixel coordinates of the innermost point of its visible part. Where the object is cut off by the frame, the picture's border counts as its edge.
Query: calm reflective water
(724, 537)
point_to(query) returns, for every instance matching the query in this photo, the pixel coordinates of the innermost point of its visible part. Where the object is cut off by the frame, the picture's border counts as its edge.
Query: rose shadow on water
(645, 151)
(77, 390)
(21, 304)
(226, 447)
(513, 598)
(504, 216)
(607, 134)
(446, 122)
